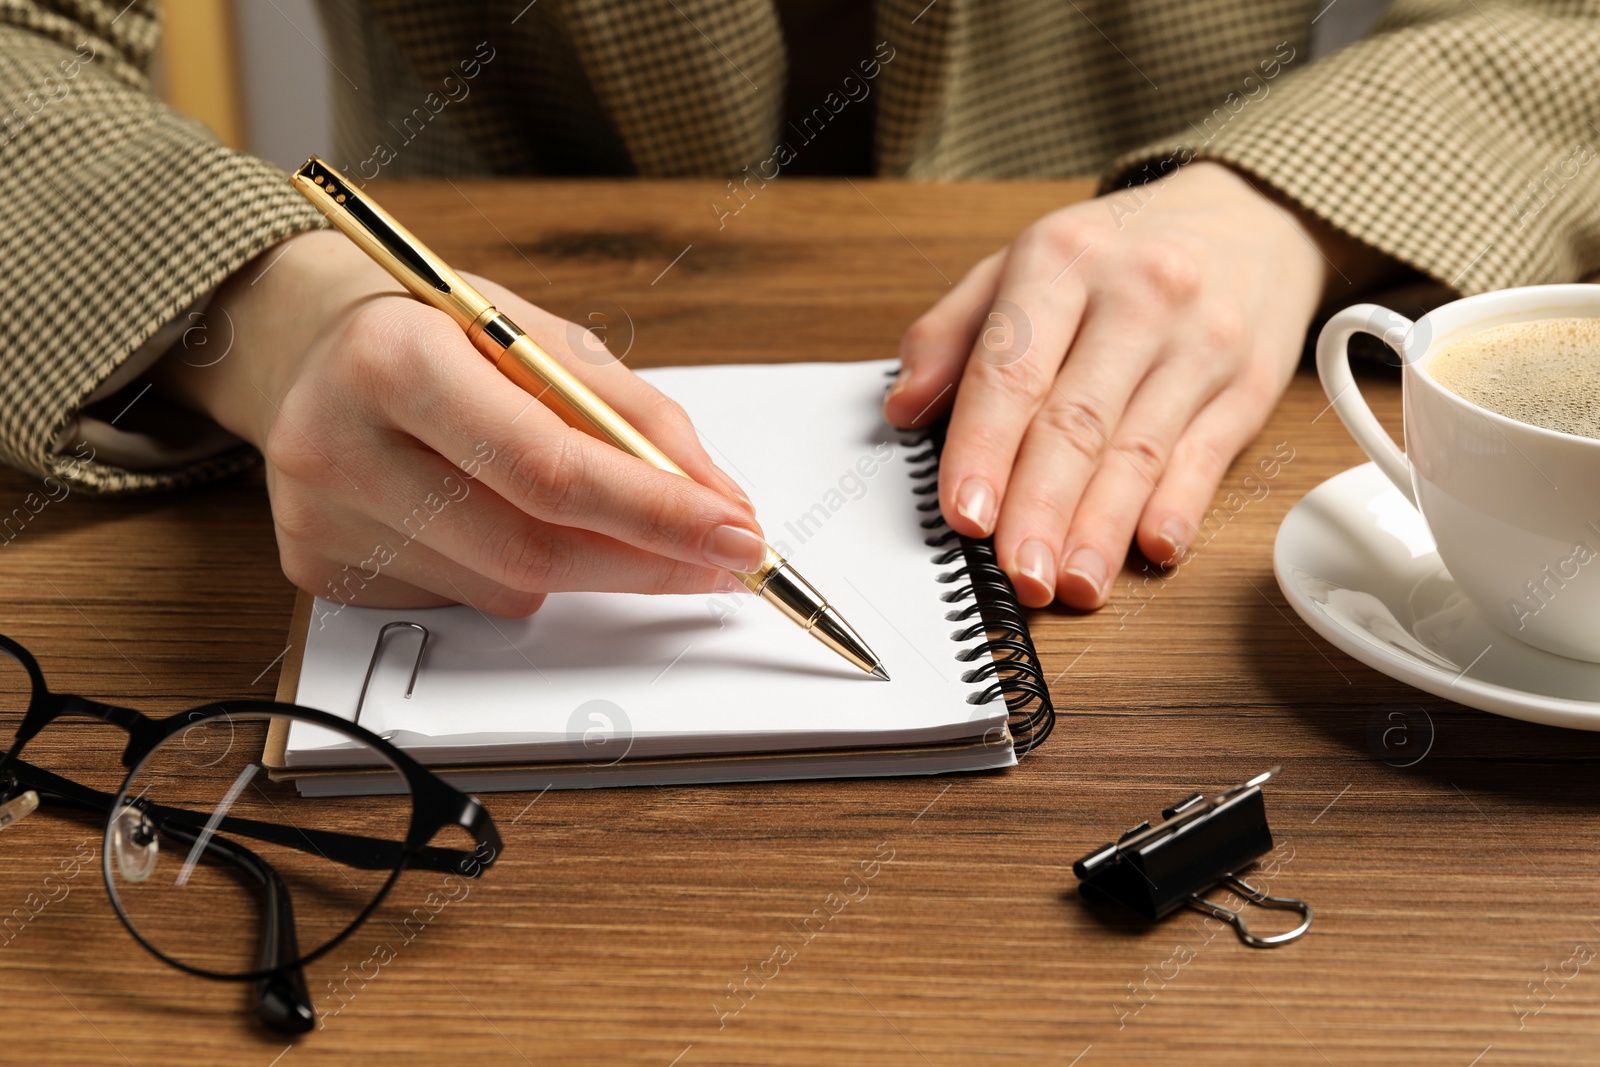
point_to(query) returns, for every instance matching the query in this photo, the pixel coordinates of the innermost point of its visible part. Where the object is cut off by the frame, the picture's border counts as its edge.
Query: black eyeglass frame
(435, 805)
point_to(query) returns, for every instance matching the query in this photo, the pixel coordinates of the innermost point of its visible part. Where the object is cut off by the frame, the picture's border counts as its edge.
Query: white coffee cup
(1514, 508)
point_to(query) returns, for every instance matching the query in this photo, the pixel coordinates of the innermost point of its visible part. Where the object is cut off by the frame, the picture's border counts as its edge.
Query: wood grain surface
(1456, 897)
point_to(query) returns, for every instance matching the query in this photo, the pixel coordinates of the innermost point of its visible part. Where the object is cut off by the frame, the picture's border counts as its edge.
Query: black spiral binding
(993, 610)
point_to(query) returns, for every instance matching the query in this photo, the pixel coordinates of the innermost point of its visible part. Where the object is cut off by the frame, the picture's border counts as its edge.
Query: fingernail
(1172, 533)
(901, 380)
(975, 503)
(1089, 565)
(1036, 561)
(734, 548)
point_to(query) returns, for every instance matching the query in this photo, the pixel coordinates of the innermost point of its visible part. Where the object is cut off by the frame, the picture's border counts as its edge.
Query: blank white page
(683, 675)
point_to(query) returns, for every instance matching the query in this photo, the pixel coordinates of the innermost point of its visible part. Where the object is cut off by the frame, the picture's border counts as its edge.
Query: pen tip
(879, 673)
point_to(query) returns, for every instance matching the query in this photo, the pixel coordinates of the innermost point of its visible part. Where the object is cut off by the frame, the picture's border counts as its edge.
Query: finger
(350, 570)
(630, 571)
(937, 345)
(651, 412)
(380, 592)
(1013, 365)
(464, 410)
(1067, 441)
(367, 564)
(459, 520)
(1171, 518)
(379, 576)
(1103, 527)
(660, 418)
(1049, 548)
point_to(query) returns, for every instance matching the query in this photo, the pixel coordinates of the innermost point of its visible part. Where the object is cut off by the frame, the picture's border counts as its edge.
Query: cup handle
(1333, 367)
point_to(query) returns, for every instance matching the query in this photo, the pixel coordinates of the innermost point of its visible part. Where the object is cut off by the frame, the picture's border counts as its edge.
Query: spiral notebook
(601, 689)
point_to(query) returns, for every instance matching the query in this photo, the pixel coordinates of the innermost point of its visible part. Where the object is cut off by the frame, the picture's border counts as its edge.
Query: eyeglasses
(217, 868)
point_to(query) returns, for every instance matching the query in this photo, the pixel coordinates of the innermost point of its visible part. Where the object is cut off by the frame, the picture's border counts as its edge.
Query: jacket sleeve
(121, 215)
(1458, 137)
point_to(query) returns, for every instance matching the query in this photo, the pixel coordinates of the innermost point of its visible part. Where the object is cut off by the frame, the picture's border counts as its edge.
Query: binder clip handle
(1260, 899)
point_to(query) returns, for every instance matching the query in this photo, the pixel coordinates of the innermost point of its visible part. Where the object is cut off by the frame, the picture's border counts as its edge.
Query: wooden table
(1445, 891)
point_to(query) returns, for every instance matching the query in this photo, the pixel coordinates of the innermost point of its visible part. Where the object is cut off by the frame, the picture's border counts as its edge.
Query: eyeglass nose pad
(20, 806)
(134, 844)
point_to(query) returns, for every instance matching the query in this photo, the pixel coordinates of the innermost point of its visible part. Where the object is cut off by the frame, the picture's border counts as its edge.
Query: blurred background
(253, 71)
(256, 72)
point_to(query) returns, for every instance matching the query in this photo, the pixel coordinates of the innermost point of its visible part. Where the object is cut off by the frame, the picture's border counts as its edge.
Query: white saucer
(1355, 560)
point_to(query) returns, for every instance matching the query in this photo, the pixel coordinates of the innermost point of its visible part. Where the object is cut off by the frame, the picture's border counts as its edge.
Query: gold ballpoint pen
(519, 358)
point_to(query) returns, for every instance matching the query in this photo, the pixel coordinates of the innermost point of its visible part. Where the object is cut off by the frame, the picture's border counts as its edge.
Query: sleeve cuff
(127, 426)
(1431, 142)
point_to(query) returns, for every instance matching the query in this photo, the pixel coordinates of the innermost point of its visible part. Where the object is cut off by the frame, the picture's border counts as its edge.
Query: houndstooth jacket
(1456, 136)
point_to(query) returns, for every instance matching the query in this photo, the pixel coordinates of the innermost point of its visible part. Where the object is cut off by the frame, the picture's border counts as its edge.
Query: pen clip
(335, 194)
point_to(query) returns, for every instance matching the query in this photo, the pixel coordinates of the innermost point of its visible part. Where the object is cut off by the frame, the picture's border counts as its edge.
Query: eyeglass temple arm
(356, 850)
(475, 819)
(369, 853)
(351, 850)
(283, 1001)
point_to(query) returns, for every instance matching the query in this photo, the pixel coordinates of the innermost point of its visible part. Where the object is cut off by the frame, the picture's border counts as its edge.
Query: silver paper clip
(377, 650)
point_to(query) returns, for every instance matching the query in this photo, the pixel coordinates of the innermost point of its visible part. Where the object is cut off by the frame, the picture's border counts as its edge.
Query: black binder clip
(1198, 845)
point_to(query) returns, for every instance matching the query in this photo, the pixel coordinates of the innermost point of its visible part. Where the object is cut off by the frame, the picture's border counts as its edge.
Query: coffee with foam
(1545, 372)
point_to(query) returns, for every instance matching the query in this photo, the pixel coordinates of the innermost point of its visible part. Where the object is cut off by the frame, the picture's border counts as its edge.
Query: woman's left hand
(1103, 371)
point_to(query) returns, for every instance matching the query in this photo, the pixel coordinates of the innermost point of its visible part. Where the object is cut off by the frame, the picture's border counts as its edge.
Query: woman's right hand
(405, 471)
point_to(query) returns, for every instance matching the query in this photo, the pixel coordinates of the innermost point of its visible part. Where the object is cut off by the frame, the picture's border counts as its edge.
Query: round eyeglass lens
(221, 870)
